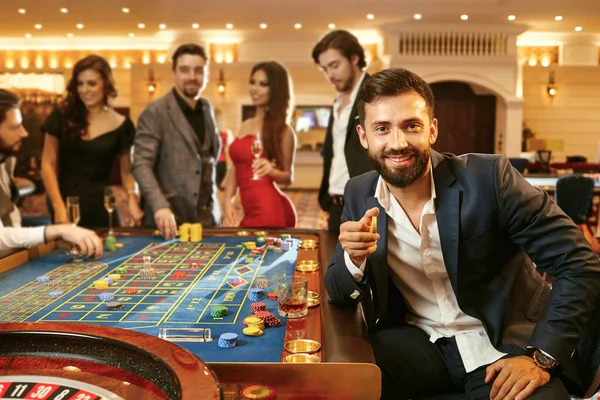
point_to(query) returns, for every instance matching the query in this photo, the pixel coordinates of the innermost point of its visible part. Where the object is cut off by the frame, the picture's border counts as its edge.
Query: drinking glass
(109, 205)
(292, 296)
(73, 216)
(257, 149)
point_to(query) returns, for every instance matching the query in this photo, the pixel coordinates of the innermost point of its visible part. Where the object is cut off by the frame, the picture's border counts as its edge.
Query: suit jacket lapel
(181, 124)
(378, 260)
(447, 205)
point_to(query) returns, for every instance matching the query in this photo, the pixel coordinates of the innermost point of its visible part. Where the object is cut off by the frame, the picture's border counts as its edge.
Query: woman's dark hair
(279, 108)
(74, 111)
(342, 41)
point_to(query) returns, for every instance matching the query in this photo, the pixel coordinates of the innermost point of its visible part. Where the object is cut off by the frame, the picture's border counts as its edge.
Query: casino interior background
(522, 75)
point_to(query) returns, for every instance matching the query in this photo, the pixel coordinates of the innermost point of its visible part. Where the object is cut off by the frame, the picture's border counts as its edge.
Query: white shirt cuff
(357, 273)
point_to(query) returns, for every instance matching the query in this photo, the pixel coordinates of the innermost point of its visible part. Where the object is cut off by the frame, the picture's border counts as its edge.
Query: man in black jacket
(342, 60)
(445, 276)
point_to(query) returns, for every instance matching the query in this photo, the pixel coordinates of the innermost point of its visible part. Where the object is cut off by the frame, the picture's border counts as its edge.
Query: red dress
(264, 204)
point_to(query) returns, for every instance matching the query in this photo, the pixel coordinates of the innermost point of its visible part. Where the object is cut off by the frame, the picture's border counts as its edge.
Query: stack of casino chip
(258, 306)
(218, 311)
(256, 294)
(109, 280)
(121, 270)
(234, 279)
(285, 245)
(272, 296)
(252, 331)
(254, 322)
(43, 279)
(184, 232)
(114, 305)
(196, 233)
(106, 296)
(227, 340)
(56, 293)
(269, 319)
(261, 240)
(262, 283)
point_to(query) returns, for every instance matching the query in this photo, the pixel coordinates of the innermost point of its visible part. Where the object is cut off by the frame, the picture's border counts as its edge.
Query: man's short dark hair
(390, 83)
(342, 41)
(8, 101)
(188, 48)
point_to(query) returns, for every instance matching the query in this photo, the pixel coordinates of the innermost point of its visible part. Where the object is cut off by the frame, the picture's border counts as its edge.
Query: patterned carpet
(310, 215)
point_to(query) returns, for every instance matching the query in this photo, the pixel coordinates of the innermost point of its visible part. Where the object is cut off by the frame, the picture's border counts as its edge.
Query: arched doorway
(466, 116)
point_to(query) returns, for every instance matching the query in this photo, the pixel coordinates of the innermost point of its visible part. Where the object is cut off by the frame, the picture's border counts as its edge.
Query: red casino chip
(263, 314)
(258, 392)
(132, 291)
(272, 296)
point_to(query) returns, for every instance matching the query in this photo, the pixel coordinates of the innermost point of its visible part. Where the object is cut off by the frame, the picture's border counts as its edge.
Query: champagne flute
(256, 152)
(73, 216)
(109, 205)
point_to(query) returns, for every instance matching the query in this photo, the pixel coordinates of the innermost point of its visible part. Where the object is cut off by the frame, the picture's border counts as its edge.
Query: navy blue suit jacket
(492, 223)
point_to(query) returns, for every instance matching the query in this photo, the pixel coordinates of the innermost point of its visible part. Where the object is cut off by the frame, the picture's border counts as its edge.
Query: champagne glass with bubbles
(257, 149)
(73, 216)
(109, 205)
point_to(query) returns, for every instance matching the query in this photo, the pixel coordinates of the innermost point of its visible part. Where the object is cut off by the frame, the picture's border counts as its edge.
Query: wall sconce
(151, 85)
(551, 88)
(221, 83)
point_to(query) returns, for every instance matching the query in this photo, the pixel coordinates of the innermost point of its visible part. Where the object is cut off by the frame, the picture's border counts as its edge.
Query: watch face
(543, 360)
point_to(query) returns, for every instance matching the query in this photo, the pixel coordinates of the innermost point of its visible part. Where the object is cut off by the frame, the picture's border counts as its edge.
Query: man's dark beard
(191, 95)
(406, 176)
(348, 84)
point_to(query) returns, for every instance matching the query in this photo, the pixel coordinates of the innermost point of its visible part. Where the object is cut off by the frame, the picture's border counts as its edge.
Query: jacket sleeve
(557, 246)
(146, 147)
(341, 286)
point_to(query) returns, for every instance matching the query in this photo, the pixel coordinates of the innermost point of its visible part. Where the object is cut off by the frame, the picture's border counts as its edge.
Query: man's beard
(191, 93)
(404, 176)
(348, 85)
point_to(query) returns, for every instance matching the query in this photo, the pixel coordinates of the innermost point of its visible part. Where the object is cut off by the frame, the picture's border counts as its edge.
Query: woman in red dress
(258, 175)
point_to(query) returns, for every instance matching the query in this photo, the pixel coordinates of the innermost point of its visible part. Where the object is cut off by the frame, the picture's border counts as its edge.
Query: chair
(574, 195)
(543, 159)
(519, 164)
(576, 159)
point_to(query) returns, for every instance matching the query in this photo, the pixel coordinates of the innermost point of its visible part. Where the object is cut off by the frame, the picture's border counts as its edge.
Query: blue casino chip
(256, 294)
(106, 296)
(109, 280)
(227, 340)
(56, 293)
(42, 279)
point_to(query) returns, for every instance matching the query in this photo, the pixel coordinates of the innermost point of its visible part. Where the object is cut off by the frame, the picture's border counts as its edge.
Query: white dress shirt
(419, 272)
(16, 237)
(338, 174)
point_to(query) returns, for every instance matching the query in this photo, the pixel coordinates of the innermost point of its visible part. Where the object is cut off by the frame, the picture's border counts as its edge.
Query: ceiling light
(28, 35)
(331, 26)
(132, 35)
(69, 35)
(578, 28)
(558, 18)
(162, 26)
(125, 10)
(195, 26)
(511, 17)
(297, 26)
(229, 26)
(22, 11)
(79, 26)
(370, 16)
(64, 10)
(417, 16)
(263, 26)
(38, 26)
(464, 17)
(141, 26)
